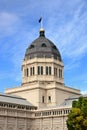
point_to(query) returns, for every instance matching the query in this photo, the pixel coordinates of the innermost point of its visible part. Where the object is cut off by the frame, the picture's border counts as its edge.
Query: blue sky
(65, 23)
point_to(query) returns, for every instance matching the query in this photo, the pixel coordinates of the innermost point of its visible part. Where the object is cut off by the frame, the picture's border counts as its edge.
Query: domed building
(42, 90)
(42, 47)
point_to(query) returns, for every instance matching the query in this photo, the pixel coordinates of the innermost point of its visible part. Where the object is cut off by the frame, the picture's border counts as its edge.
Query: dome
(42, 47)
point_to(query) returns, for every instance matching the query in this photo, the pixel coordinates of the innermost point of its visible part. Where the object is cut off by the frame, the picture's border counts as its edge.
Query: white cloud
(8, 22)
(84, 92)
(7, 19)
(72, 64)
(71, 36)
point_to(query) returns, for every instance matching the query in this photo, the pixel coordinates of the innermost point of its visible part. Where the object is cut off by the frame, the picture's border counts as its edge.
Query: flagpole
(41, 23)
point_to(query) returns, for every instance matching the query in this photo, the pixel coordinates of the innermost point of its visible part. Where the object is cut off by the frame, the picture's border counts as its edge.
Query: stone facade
(21, 119)
(36, 87)
(42, 86)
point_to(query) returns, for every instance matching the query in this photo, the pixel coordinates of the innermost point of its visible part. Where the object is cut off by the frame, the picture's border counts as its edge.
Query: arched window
(55, 71)
(27, 72)
(49, 99)
(48, 70)
(54, 47)
(40, 70)
(43, 45)
(43, 99)
(32, 46)
(32, 71)
(60, 73)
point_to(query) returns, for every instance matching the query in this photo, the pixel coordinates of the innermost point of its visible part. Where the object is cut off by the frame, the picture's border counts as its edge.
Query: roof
(68, 102)
(42, 47)
(12, 99)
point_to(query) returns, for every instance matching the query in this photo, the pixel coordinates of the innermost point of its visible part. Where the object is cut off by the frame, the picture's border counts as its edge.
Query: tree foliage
(77, 119)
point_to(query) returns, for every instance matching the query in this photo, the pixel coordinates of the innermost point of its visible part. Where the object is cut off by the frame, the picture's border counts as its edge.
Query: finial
(42, 32)
(41, 29)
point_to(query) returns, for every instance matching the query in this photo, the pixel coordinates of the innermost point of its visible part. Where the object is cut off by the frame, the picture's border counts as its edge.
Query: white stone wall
(34, 91)
(51, 119)
(50, 62)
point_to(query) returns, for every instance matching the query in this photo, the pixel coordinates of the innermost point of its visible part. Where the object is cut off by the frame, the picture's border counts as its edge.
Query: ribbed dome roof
(42, 47)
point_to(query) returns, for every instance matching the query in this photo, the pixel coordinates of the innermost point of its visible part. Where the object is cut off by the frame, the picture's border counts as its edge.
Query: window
(43, 45)
(40, 70)
(32, 46)
(31, 71)
(49, 99)
(55, 71)
(60, 73)
(49, 70)
(54, 47)
(46, 70)
(42, 99)
(26, 73)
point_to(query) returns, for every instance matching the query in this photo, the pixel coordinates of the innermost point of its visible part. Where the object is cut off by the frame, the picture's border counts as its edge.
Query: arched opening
(43, 45)
(32, 46)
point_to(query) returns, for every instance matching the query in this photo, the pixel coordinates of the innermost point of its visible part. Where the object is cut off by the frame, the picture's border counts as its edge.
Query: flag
(40, 19)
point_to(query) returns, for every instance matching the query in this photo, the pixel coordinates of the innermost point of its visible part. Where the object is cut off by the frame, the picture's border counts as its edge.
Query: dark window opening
(38, 70)
(27, 72)
(46, 70)
(54, 47)
(31, 71)
(32, 46)
(60, 73)
(49, 70)
(41, 70)
(42, 99)
(43, 45)
(49, 99)
(55, 71)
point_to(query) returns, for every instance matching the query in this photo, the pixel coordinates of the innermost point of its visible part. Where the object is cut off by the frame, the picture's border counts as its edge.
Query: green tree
(77, 119)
